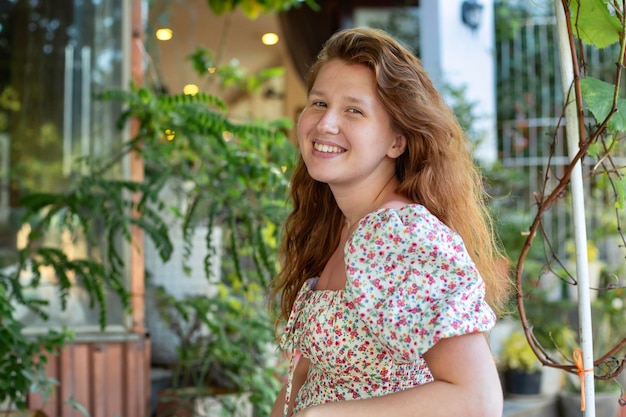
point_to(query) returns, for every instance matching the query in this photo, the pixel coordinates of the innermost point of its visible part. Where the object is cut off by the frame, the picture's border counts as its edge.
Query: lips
(327, 148)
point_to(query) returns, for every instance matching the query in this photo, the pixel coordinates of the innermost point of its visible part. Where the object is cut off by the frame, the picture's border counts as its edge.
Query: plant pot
(194, 402)
(605, 404)
(522, 383)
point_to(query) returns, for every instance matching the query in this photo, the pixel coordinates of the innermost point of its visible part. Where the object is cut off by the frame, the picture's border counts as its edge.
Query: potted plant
(225, 360)
(522, 369)
(223, 187)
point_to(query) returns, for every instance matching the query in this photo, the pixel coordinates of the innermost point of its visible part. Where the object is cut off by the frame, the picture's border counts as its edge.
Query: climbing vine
(601, 125)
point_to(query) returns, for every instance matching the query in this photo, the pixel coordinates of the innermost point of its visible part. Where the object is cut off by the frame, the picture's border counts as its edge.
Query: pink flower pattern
(410, 283)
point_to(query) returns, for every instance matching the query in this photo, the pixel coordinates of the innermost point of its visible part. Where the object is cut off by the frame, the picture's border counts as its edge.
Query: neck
(358, 202)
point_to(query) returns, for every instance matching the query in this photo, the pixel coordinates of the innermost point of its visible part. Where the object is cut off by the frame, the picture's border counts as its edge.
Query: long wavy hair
(436, 170)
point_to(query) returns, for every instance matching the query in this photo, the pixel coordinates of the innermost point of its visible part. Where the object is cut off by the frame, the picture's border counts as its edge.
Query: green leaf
(220, 6)
(594, 150)
(159, 237)
(252, 8)
(312, 4)
(593, 22)
(199, 98)
(271, 72)
(254, 84)
(202, 60)
(36, 201)
(77, 406)
(598, 96)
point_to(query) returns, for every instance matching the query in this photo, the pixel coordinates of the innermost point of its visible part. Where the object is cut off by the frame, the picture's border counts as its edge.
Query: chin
(319, 178)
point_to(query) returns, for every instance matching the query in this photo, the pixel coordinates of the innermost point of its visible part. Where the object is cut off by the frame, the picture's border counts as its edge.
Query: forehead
(340, 75)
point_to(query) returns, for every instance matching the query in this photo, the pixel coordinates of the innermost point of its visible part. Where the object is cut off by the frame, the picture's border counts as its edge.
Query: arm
(466, 383)
(299, 376)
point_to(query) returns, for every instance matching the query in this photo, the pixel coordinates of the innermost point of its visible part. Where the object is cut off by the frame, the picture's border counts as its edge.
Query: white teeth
(326, 148)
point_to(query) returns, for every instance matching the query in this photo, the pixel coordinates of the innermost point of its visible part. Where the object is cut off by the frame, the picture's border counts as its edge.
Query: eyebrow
(356, 100)
(350, 99)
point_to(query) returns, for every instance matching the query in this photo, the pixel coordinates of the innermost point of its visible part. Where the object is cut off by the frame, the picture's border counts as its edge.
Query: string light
(269, 38)
(164, 34)
(190, 89)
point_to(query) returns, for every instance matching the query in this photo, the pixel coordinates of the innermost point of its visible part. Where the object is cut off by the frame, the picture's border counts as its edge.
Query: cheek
(303, 128)
(300, 135)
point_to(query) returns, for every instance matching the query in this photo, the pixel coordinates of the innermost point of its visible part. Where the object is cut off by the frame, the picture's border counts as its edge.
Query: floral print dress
(410, 282)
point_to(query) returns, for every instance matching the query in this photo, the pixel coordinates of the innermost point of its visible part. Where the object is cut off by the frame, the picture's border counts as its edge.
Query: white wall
(453, 53)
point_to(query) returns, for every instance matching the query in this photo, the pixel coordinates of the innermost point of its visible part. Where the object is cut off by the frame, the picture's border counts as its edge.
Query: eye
(318, 104)
(354, 110)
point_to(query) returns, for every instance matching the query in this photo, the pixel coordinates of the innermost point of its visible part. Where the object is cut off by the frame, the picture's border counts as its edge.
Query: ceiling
(235, 36)
(230, 36)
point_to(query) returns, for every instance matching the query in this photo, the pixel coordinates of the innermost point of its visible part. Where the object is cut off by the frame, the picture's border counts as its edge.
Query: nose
(328, 122)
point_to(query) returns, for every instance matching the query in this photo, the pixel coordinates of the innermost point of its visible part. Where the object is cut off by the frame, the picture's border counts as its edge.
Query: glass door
(54, 55)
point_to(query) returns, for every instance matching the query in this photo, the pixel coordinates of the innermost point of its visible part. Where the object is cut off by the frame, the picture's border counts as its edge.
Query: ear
(397, 147)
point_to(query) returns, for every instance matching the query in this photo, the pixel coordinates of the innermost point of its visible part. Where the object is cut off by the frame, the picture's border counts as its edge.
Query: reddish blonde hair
(436, 170)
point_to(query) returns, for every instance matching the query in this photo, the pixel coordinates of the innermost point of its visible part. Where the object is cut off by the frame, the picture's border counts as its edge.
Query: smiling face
(344, 132)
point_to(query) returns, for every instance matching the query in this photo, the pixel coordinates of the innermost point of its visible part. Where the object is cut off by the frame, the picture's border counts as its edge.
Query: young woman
(389, 264)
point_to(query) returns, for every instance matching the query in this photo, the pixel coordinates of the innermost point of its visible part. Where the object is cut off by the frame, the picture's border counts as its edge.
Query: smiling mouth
(327, 148)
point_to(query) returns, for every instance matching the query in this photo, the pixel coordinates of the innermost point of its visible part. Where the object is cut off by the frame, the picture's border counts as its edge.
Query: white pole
(578, 205)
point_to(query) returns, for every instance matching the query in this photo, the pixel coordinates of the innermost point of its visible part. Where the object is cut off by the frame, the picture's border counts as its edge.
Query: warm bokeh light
(164, 34)
(190, 89)
(269, 38)
(170, 134)
(211, 69)
(228, 136)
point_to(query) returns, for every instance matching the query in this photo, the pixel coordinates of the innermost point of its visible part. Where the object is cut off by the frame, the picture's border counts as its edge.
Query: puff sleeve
(412, 281)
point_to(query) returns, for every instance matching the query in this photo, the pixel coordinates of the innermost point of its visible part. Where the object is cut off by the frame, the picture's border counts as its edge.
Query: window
(54, 55)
